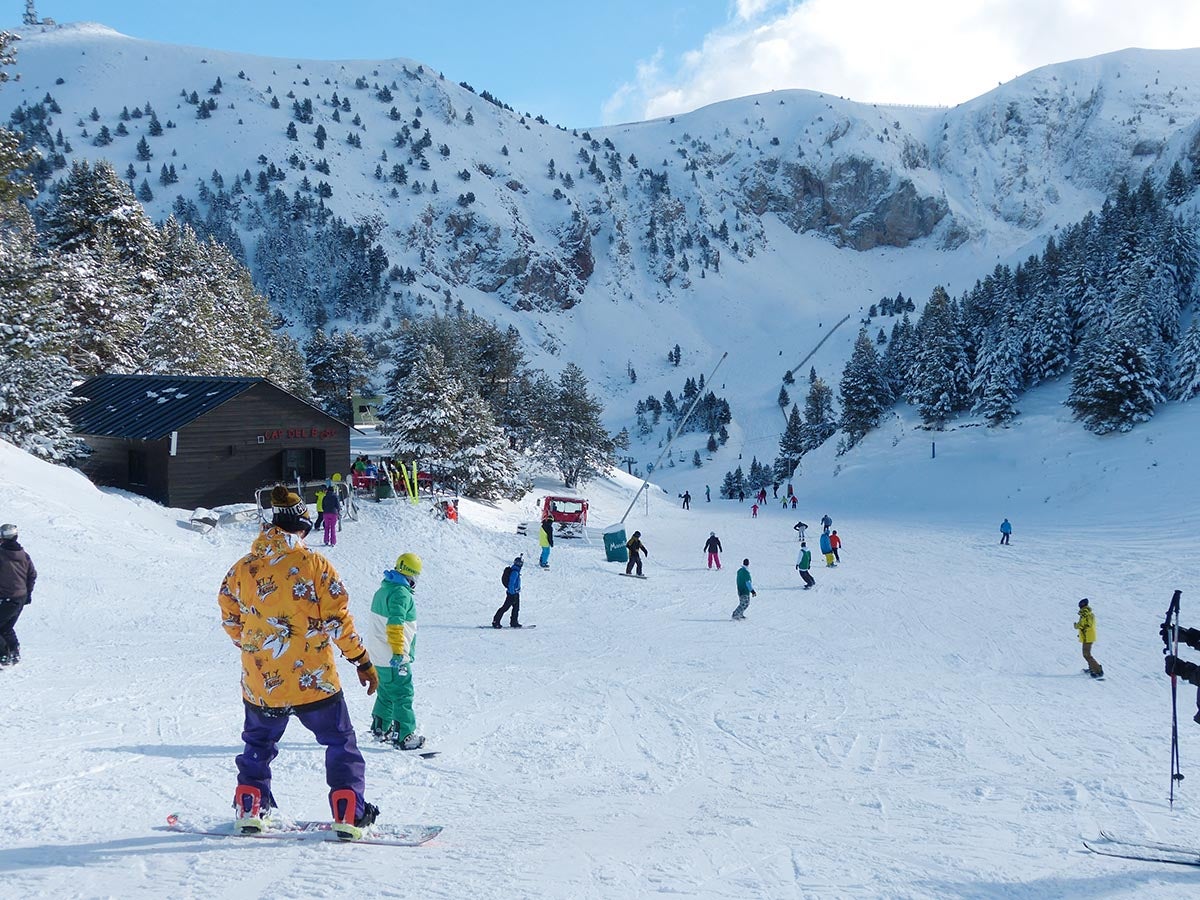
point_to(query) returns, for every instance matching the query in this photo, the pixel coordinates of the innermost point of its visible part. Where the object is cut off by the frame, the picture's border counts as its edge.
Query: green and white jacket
(392, 625)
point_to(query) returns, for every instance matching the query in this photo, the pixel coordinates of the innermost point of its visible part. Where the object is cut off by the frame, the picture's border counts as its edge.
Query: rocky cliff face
(493, 201)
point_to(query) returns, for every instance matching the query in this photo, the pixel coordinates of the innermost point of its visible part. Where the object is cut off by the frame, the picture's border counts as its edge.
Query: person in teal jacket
(745, 590)
(392, 635)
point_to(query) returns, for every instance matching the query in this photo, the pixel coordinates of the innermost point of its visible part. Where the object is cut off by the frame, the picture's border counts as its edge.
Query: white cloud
(896, 51)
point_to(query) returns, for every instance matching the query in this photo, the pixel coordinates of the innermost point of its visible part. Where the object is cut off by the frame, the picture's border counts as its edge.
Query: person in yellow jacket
(1086, 626)
(285, 609)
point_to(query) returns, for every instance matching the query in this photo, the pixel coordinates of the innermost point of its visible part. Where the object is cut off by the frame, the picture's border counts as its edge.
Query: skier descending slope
(713, 548)
(285, 608)
(803, 564)
(392, 634)
(745, 590)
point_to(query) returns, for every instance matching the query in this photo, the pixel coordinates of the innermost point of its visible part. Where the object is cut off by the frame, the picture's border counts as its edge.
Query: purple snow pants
(330, 724)
(331, 525)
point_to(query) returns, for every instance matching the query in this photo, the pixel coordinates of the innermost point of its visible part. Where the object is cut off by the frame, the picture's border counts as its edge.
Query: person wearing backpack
(827, 549)
(511, 578)
(803, 564)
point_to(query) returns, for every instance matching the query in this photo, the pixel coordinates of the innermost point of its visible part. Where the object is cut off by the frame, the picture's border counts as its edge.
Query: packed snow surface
(915, 726)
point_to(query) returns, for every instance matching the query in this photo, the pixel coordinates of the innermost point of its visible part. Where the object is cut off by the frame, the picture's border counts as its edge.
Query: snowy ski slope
(917, 726)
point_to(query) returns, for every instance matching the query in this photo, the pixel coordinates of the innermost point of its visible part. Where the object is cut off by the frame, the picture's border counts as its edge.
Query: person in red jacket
(834, 543)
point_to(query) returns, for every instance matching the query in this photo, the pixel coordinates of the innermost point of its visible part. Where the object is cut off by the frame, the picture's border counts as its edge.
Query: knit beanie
(1083, 603)
(289, 510)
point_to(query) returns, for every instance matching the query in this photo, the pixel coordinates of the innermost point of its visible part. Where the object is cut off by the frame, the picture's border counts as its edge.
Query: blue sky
(583, 64)
(561, 60)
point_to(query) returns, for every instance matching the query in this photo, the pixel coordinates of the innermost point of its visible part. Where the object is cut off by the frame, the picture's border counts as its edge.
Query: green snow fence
(614, 544)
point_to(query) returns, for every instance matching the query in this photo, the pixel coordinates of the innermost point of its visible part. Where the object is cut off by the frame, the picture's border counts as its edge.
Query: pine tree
(92, 200)
(791, 445)
(1112, 388)
(938, 379)
(819, 424)
(1187, 380)
(422, 413)
(35, 377)
(997, 372)
(1177, 189)
(576, 443)
(340, 366)
(864, 390)
(783, 399)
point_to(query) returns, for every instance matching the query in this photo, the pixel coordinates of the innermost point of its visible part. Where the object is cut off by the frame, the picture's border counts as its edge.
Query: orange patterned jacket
(286, 608)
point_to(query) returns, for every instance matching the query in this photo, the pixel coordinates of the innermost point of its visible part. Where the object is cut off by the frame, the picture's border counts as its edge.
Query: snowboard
(388, 835)
(1088, 672)
(506, 627)
(630, 575)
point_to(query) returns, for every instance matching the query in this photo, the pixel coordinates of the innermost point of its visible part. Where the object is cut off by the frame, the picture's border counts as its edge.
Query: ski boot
(411, 741)
(379, 731)
(14, 657)
(251, 815)
(3, 659)
(346, 825)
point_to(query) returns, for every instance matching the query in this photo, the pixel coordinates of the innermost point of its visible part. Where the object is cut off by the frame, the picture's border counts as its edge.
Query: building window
(307, 464)
(137, 467)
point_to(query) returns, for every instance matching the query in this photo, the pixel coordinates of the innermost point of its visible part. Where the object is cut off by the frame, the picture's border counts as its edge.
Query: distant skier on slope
(268, 600)
(17, 578)
(745, 590)
(803, 564)
(835, 543)
(826, 522)
(546, 540)
(754, 511)
(800, 528)
(636, 551)
(1005, 531)
(687, 500)
(713, 548)
(1086, 627)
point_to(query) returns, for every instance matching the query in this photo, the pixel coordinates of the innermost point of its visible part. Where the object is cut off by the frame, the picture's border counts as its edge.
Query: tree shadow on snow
(190, 751)
(60, 854)
(1109, 884)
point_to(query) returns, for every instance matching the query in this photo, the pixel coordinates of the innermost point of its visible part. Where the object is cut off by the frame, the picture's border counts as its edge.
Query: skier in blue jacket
(512, 597)
(827, 549)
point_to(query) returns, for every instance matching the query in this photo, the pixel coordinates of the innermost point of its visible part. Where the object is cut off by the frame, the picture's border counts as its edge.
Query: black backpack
(505, 576)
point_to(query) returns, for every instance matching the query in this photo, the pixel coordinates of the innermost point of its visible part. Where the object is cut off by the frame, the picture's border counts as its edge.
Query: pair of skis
(1146, 851)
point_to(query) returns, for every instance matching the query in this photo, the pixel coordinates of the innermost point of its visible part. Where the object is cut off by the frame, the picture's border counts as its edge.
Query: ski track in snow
(916, 726)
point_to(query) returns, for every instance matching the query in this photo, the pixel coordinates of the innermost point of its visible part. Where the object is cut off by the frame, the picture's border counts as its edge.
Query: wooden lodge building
(205, 441)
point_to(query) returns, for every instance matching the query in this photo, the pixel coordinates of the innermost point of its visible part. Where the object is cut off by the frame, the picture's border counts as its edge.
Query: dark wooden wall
(219, 458)
(108, 465)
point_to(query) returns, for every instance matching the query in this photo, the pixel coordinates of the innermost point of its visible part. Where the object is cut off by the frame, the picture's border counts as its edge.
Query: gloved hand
(797, 567)
(1185, 670)
(1189, 636)
(368, 677)
(399, 664)
(754, 593)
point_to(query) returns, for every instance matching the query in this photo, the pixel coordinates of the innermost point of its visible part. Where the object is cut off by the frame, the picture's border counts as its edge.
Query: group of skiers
(289, 668)
(830, 545)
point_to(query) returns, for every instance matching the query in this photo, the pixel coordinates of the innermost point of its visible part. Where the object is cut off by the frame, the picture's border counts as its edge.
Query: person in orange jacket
(285, 609)
(834, 543)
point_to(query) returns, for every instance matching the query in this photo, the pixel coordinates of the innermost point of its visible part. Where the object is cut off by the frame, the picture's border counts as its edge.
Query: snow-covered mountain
(751, 225)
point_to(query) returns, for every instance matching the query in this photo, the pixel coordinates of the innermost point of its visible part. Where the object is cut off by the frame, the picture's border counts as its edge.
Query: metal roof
(150, 407)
